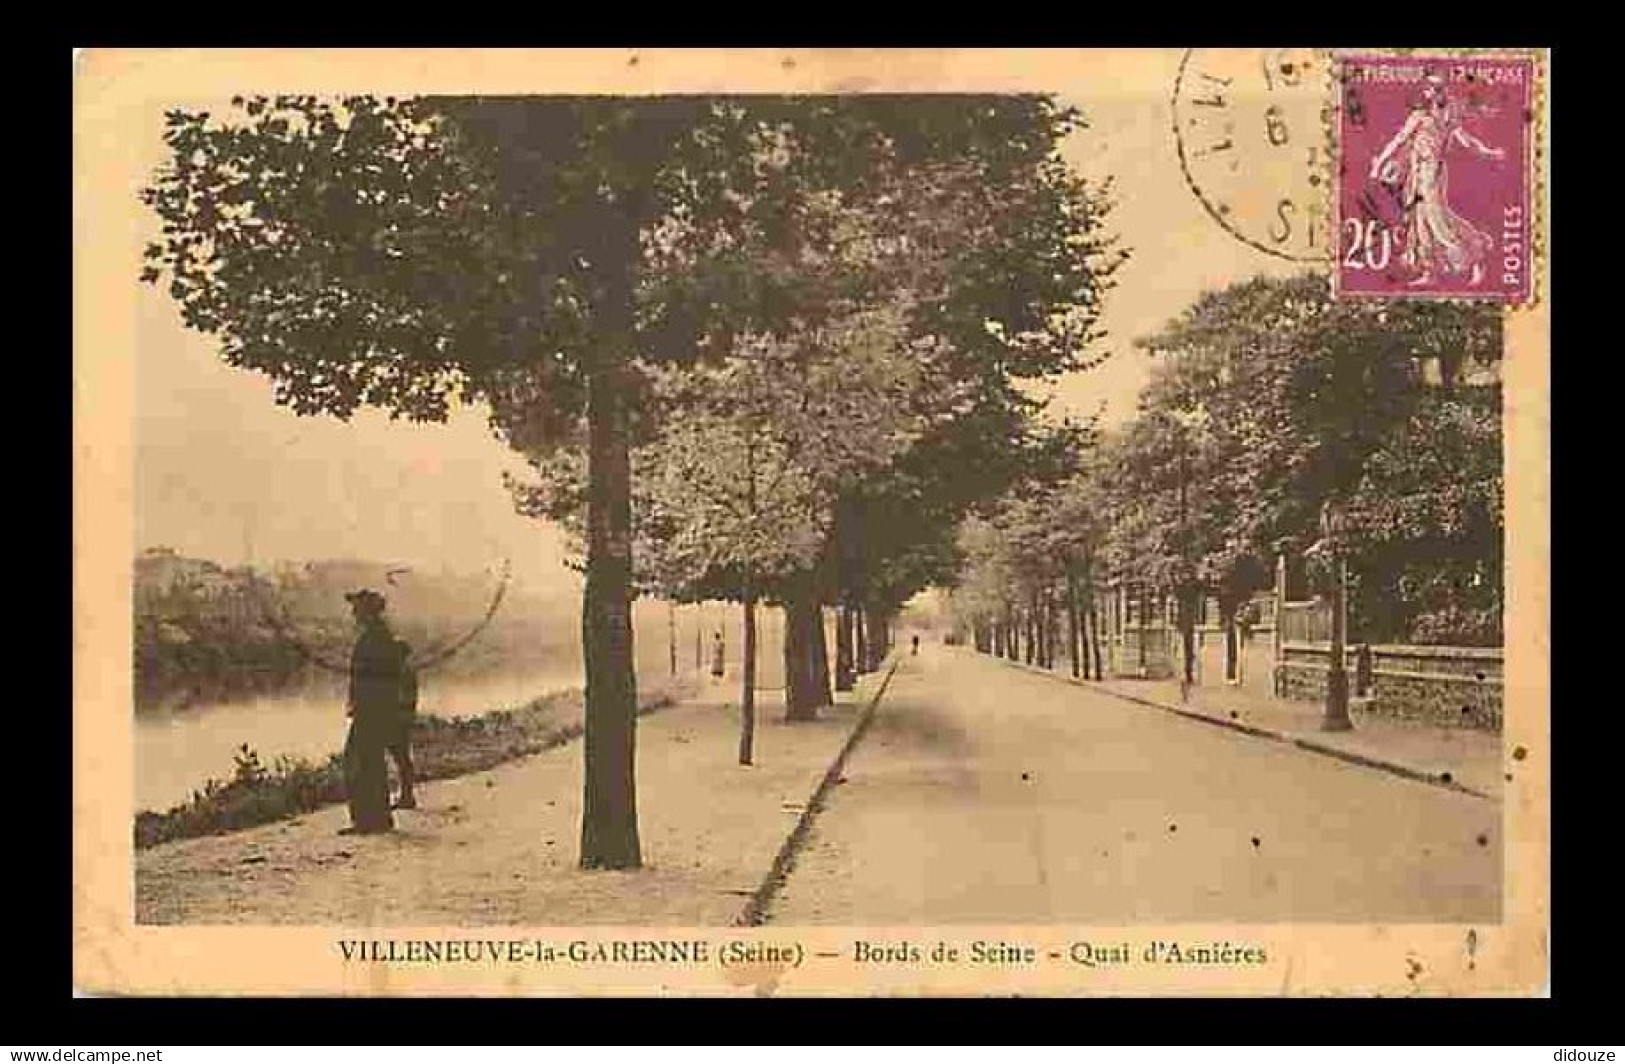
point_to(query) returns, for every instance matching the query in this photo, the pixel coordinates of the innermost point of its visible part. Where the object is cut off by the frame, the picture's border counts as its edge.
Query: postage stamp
(1434, 176)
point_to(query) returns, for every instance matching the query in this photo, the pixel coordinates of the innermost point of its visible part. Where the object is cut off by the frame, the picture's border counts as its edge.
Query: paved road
(986, 794)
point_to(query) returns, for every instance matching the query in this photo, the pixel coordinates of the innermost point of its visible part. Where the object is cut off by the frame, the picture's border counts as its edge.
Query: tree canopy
(1269, 400)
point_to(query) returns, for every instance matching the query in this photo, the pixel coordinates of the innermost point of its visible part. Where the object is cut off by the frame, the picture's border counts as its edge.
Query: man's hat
(366, 600)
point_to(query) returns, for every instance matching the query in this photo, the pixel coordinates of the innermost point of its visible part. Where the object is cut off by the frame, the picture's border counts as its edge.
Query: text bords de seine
(692, 952)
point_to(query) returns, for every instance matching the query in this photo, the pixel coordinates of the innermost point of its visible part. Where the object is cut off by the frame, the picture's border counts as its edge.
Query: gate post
(1278, 637)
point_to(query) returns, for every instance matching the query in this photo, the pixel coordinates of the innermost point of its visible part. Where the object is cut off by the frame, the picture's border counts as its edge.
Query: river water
(178, 750)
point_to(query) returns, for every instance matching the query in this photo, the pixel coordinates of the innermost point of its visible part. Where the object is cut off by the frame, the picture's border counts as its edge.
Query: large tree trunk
(1073, 645)
(1085, 639)
(801, 621)
(747, 699)
(879, 626)
(821, 693)
(1145, 623)
(609, 817)
(845, 673)
(671, 633)
(1046, 639)
(1187, 631)
(790, 649)
(1227, 615)
(1029, 653)
(1040, 631)
(861, 638)
(1049, 627)
(1094, 629)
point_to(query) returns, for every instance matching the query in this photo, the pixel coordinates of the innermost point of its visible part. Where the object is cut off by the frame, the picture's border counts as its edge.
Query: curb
(754, 914)
(1394, 768)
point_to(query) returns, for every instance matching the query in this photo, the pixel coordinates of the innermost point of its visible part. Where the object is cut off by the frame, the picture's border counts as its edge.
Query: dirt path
(499, 847)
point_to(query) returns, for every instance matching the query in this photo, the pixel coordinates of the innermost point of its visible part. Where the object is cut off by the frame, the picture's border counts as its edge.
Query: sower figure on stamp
(374, 708)
(1438, 240)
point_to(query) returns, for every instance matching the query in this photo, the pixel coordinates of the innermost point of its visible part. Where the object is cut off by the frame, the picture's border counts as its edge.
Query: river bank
(442, 748)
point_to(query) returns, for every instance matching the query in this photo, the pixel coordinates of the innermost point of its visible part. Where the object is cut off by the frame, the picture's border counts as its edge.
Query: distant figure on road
(399, 741)
(915, 644)
(716, 656)
(374, 710)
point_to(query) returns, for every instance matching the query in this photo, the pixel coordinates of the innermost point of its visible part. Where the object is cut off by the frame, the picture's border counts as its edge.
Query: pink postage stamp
(1434, 177)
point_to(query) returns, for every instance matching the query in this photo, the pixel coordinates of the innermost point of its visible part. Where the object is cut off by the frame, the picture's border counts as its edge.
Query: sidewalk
(1459, 758)
(500, 847)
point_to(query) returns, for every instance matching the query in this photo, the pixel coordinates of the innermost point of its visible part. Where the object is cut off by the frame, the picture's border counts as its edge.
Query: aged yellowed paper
(1087, 512)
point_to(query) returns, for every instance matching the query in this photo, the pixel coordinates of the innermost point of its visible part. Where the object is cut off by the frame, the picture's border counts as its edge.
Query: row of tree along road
(1358, 437)
(763, 349)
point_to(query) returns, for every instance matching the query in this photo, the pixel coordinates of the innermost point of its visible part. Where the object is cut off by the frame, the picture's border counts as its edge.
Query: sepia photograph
(816, 523)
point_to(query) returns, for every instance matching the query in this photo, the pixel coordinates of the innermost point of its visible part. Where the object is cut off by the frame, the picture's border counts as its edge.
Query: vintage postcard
(811, 523)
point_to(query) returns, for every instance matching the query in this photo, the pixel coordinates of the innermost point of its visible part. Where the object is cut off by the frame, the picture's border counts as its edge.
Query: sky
(222, 472)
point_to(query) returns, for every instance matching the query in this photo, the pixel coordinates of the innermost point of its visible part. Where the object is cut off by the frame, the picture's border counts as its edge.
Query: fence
(1448, 686)
(1145, 653)
(1281, 648)
(1286, 654)
(1305, 622)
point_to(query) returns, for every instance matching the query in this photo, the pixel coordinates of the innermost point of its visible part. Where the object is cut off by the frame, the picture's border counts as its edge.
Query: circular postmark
(1250, 127)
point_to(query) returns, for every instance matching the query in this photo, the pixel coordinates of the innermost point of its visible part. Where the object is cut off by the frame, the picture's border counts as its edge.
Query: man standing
(399, 742)
(374, 708)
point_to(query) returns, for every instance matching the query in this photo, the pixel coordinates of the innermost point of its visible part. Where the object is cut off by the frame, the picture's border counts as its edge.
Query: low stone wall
(1448, 686)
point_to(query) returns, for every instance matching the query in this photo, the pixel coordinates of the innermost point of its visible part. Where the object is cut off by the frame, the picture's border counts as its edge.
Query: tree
(1000, 255)
(1429, 511)
(734, 494)
(984, 267)
(1035, 550)
(412, 254)
(1309, 399)
(1269, 399)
